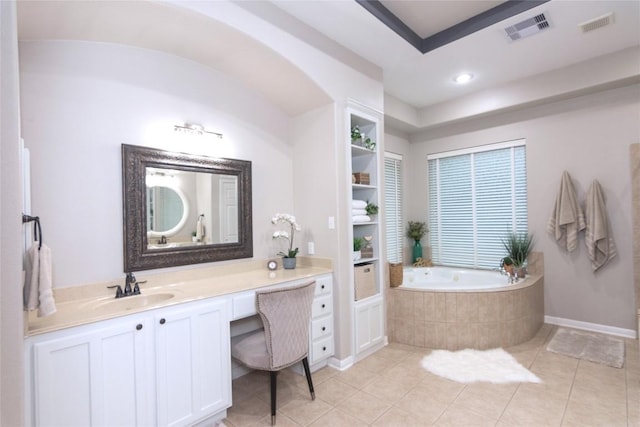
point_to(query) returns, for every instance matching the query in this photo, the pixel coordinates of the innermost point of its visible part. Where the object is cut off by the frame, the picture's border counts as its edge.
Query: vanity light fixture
(463, 78)
(193, 129)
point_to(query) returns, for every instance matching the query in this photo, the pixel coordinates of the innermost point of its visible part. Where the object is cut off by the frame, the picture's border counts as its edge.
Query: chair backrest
(286, 314)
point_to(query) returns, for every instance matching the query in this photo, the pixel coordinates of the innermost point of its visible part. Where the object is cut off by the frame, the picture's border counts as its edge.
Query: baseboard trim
(341, 365)
(593, 327)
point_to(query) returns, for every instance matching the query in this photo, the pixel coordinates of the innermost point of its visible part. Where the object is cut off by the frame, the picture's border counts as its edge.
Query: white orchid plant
(280, 234)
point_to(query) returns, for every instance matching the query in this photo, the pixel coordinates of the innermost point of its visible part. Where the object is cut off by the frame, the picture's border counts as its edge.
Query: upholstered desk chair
(285, 314)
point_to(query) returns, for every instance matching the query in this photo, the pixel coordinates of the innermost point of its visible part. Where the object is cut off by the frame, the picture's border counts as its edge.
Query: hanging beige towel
(567, 218)
(38, 289)
(600, 245)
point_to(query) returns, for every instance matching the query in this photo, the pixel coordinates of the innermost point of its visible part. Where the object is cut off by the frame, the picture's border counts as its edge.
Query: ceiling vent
(596, 23)
(527, 27)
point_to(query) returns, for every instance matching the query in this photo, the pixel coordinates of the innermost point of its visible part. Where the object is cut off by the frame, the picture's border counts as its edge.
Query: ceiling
(422, 80)
(419, 80)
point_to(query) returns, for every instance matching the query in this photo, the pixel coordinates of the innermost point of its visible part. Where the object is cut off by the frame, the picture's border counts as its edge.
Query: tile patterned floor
(390, 388)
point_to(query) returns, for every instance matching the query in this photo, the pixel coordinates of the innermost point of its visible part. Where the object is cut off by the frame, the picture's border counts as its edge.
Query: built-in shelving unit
(367, 275)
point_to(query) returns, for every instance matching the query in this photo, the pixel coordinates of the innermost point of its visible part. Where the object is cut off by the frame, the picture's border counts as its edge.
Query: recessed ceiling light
(463, 78)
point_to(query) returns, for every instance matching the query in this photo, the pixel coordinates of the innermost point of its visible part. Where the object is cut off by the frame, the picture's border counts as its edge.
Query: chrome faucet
(163, 240)
(512, 276)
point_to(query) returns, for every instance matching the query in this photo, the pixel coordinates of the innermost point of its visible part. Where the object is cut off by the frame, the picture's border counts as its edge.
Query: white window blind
(393, 206)
(476, 197)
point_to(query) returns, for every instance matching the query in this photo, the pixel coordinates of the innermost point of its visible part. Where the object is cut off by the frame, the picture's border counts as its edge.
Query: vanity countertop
(91, 303)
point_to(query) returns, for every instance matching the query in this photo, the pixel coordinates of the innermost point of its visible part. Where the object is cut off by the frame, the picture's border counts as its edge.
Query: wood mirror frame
(137, 255)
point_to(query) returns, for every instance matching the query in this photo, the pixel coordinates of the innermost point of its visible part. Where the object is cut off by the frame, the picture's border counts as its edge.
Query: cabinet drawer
(321, 327)
(244, 305)
(322, 306)
(323, 286)
(322, 349)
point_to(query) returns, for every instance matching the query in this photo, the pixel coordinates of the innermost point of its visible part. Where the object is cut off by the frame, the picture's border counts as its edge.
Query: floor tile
(390, 388)
(364, 406)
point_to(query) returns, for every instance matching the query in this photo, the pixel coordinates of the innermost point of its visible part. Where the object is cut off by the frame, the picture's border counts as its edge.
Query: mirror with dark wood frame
(183, 208)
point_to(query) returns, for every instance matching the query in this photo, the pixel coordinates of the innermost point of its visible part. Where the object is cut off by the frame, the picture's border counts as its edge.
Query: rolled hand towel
(355, 212)
(361, 218)
(358, 204)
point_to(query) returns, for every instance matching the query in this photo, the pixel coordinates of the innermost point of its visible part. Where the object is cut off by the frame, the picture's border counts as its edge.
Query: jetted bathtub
(454, 308)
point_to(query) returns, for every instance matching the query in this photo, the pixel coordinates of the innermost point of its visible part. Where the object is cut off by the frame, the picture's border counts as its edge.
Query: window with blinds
(393, 206)
(476, 197)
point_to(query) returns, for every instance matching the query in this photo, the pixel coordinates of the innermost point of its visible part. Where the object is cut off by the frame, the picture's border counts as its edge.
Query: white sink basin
(128, 303)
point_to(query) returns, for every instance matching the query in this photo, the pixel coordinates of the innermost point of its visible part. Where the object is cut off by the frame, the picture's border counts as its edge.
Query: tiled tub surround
(479, 319)
(467, 319)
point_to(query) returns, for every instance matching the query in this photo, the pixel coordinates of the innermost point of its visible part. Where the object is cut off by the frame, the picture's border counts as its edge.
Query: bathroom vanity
(160, 358)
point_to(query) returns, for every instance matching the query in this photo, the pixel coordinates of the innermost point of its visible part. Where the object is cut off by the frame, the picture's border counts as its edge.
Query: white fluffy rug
(591, 346)
(468, 366)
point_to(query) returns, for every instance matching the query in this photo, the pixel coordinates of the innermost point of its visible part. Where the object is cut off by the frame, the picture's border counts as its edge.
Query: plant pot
(521, 272)
(357, 255)
(417, 250)
(289, 263)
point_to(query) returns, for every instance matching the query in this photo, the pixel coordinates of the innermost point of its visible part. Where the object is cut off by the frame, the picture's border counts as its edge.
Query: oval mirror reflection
(167, 210)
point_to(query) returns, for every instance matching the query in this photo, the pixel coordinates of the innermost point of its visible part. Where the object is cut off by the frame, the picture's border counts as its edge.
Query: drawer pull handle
(323, 305)
(163, 321)
(324, 328)
(139, 326)
(324, 348)
(322, 287)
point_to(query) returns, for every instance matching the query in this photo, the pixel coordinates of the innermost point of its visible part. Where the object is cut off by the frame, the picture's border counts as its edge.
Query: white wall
(82, 100)
(11, 317)
(589, 137)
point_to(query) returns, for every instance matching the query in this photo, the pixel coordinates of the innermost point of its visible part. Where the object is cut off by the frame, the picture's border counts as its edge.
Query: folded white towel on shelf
(355, 212)
(567, 218)
(600, 245)
(361, 218)
(38, 286)
(358, 204)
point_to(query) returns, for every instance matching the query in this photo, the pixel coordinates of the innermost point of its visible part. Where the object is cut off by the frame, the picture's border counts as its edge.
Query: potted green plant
(372, 208)
(358, 138)
(356, 135)
(518, 247)
(416, 230)
(357, 246)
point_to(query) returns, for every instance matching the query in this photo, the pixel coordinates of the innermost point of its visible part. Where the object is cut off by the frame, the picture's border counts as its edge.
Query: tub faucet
(163, 240)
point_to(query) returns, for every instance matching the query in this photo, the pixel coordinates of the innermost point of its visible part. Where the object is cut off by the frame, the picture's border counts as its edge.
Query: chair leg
(307, 372)
(274, 378)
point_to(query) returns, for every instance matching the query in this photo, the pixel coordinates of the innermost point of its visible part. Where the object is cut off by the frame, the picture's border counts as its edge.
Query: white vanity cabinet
(369, 319)
(92, 376)
(165, 367)
(321, 336)
(193, 365)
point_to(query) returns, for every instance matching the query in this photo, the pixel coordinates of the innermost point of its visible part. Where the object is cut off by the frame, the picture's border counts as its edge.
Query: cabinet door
(193, 362)
(94, 377)
(369, 324)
